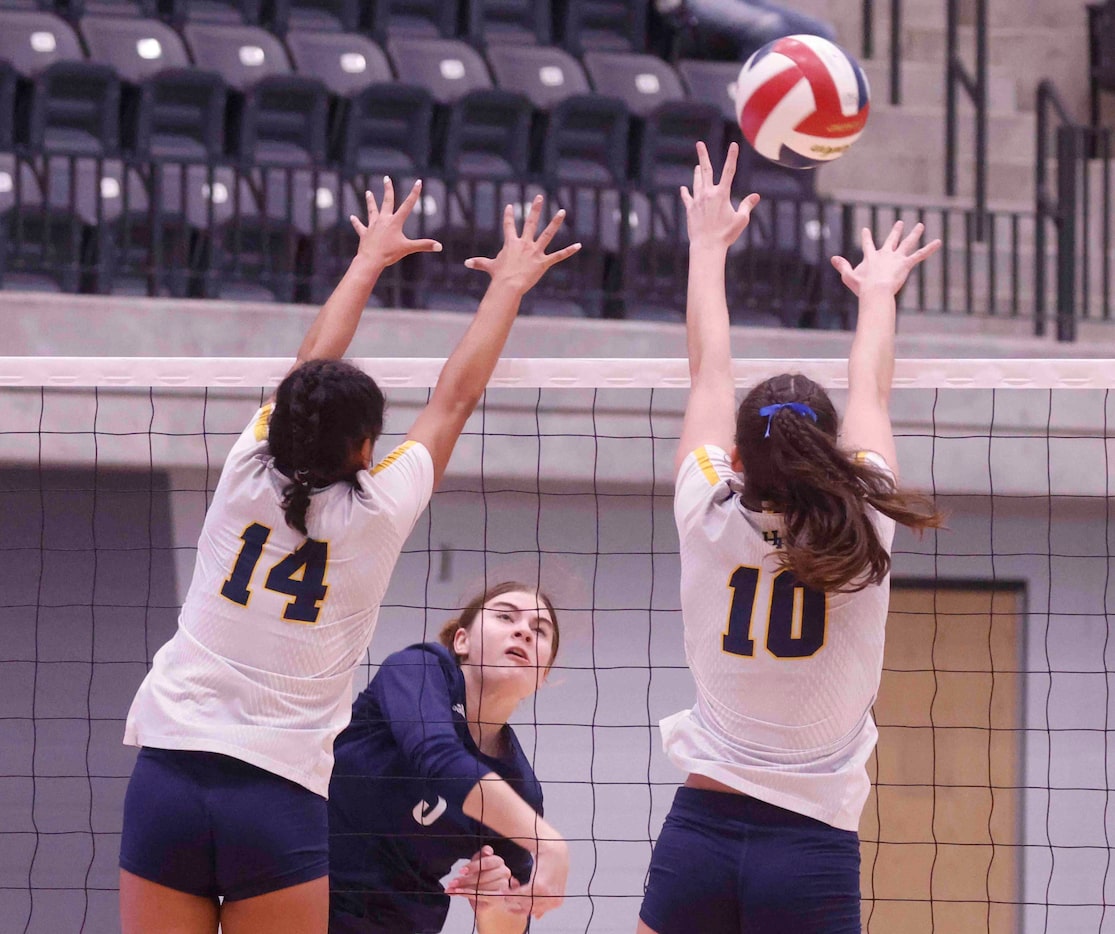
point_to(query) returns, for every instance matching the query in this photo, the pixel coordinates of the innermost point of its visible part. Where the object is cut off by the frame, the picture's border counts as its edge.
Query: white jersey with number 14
(275, 623)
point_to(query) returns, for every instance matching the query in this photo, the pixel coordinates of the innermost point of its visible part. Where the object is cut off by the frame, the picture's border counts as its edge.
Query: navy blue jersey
(404, 766)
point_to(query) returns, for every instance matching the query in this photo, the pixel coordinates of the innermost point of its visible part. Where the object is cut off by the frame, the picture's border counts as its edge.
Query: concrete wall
(86, 325)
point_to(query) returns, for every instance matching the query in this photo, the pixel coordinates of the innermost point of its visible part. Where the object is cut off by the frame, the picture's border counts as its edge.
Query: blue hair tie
(800, 407)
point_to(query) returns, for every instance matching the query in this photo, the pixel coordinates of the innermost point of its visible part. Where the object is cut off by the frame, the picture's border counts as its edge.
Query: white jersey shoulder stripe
(393, 456)
(876, 460)
(263, 422)
(705, 463)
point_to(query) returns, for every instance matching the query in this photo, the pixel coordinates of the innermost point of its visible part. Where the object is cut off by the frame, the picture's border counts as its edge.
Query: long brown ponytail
(823, 492)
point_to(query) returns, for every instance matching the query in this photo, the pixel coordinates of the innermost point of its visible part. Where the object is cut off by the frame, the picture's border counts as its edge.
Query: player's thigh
(297, 909)
(167, 833)
(692, 882)
(802, 879)
(147, 906)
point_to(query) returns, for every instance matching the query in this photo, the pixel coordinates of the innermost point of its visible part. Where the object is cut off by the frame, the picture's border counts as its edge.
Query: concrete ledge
(82, 325)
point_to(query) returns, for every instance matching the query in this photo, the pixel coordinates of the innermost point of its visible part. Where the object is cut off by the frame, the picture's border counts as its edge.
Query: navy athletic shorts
(210, 825)
(726, 864)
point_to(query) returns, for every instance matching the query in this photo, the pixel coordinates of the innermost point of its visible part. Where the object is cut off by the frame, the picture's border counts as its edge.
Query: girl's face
(512, 638)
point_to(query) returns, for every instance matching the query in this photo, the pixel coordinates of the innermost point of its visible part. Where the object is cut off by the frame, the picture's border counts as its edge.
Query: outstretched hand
(382, 239)
(523, 259)
(709, 213)
(887, 266)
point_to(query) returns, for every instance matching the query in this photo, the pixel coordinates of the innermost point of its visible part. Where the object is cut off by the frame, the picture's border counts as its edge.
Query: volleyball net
(992, 803)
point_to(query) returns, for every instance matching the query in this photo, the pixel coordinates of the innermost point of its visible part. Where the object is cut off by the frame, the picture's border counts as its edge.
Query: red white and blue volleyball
(802, 101)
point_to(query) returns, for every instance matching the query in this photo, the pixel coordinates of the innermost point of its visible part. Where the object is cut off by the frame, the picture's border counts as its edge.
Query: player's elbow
(456, 402)
(444, 757)
(870, 380)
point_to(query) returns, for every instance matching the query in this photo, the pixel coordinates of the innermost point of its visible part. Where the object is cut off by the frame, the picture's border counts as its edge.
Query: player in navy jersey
(785, 519)
(429, 772)
(225, 819)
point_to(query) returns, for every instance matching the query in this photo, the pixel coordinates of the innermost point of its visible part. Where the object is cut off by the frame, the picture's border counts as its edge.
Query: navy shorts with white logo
(210, 825)
(726, 864)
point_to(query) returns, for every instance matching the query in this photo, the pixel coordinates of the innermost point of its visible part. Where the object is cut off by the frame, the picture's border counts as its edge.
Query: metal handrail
(957, 76)
(867, 47)
(200, 229)
(1058, 207)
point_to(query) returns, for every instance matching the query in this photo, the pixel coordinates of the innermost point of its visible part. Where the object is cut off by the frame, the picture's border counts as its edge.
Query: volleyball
(802, 101)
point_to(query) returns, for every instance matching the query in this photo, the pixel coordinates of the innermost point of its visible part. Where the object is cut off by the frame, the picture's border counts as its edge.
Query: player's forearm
(470, 365)
(497, 805)
(493, 917)
(707, 327)
(335, 325)
(871, 359)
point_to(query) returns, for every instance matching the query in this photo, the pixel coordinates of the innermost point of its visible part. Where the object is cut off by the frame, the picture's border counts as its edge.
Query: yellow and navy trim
(393, 456)
(263, 422)
(705, 463)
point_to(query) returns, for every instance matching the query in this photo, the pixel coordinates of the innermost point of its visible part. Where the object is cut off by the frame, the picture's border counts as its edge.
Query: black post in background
(975, 86)
(1069, 152)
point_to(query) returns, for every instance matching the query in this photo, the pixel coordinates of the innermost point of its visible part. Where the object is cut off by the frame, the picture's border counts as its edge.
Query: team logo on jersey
(426, 813)
(459, 710)
(772, 537)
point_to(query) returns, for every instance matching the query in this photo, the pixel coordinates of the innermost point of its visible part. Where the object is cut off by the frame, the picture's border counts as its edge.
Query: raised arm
(714, 225)
(382, 244)
(876, 281)
(519, 265)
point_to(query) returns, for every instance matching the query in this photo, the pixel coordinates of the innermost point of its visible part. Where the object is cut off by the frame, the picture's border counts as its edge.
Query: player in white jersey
(225, 817)
(785, 520)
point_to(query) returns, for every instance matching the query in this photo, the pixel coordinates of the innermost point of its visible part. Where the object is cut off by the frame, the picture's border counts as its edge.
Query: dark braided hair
(823, 491)
(324, 411)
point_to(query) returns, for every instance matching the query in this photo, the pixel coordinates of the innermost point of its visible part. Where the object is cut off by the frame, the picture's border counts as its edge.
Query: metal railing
(894, 75)
(958, 78)
(1074, 201)
(974, 84)
(195, 230)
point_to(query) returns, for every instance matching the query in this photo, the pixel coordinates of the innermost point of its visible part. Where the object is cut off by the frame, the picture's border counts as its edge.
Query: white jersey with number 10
(786, 676)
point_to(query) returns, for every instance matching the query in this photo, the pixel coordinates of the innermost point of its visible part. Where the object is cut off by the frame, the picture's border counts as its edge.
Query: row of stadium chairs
(576, 25)
(85, 224)
(82, 224)
(262, 216)
(338, 99)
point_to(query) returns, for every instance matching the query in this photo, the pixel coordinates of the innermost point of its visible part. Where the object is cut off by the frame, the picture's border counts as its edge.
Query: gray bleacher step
(902, 153)
(918, 130)
(1036, 13)
(1058, 53)
(922, 85)
(888, 178)
(868, 196)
